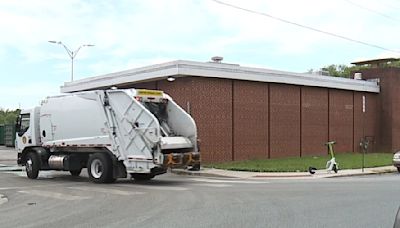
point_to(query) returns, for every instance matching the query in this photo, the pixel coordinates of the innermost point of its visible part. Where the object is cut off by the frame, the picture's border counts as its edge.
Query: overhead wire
(305, 26)
(372, 11)
(390, 6)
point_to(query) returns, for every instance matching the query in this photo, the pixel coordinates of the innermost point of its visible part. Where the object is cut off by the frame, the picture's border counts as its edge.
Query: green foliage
(344, 71)
(345, 161)
(8, 116)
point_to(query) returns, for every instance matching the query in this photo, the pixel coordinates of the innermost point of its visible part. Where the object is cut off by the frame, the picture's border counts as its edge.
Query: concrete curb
(197, 173)
(364, 174)
(218, 173)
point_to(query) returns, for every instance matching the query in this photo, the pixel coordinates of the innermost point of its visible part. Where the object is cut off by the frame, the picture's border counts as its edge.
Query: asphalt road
(57, 199)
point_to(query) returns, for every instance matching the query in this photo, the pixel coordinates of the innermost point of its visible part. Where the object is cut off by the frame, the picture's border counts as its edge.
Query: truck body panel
(142, 130)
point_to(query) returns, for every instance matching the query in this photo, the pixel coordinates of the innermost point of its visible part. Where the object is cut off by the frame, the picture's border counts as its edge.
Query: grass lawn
(296, 164)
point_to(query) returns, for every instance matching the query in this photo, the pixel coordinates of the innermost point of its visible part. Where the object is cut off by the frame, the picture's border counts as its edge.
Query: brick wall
(387, 104)
(341, 119)
(250, 120)
(314, 120)
(359, 121)
(212, 110)
(180, 90)
(240, 120)
(284, 120)
(365, 124)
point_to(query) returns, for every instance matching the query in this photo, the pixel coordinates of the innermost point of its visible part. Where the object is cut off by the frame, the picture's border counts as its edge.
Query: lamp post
(72, 54)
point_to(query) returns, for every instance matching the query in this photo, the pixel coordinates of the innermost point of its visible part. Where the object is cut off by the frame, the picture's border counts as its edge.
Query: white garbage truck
(112, 133)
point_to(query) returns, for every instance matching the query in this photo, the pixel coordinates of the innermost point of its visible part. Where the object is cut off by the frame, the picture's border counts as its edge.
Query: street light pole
(71, 54)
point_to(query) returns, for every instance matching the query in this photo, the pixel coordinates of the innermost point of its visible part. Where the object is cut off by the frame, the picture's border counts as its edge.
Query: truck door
(23, 131)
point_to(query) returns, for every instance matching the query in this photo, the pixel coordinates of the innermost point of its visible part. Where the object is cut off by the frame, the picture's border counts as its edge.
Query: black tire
(195, 167)
(100, 168)
(398, 169)
(142, 176)
(75, 173)
(334, 168)
(32, 165)
(312, 170)
(397, 220)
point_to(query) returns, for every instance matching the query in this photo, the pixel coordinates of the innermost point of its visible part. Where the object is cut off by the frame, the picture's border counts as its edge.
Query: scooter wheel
(334, 168)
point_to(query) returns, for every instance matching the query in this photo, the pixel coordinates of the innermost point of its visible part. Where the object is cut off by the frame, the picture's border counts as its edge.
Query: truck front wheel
(32, 165)
(100, 168)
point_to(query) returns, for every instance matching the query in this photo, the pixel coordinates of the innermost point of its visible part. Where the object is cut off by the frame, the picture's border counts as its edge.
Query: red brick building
(244, 113)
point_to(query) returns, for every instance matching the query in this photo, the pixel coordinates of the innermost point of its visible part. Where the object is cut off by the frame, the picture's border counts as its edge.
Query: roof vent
(217, 59)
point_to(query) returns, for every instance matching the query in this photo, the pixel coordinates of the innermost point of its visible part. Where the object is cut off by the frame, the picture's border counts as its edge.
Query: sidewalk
(210, 172)
(8, 157)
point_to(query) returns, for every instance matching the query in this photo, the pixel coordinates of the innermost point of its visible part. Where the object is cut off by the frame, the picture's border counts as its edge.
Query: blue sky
(134, 33)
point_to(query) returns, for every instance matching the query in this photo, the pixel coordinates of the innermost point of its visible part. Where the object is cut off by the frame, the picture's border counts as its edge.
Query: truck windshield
(23, 124)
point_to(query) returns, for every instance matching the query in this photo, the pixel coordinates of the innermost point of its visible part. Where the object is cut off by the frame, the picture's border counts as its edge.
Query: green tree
(345, 71)
(8, 116)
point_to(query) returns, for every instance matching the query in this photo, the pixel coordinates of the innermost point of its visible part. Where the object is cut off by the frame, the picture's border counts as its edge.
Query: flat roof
(183, 68)
(375, 61)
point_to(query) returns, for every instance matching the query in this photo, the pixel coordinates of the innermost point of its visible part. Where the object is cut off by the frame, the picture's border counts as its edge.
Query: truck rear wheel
(32, 165)
(100, 168)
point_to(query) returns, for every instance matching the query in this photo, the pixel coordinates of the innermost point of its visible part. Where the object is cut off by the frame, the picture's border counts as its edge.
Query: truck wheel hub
(29, 165)
(96, 168)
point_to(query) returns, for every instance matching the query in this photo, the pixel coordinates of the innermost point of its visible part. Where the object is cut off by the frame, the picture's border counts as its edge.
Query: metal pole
(363, 155)
(72, 68)
(363, 139)
(71, 54)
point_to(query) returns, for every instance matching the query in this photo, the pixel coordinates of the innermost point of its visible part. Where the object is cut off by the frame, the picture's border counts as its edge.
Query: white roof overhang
(182, 68)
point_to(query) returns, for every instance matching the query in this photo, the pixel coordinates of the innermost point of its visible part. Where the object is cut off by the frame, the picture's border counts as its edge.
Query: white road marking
(162, 188)
(18, 173)
(214, 185)
(11, 168)
(54, 195)
(3, 199)
(32, 186)
(107, 191)
(8, 188)
(228, 181)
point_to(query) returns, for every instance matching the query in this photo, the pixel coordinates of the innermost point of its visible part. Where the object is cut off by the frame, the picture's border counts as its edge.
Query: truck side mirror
(18, 127)
(18, 124)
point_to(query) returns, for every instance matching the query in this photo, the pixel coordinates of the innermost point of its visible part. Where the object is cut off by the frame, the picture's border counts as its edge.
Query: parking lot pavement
(58, 199)
(8, 156)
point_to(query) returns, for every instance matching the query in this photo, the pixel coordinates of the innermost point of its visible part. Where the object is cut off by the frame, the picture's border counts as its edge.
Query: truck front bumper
(181, 160)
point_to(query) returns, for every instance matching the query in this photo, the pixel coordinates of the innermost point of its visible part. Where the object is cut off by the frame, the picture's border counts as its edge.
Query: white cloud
(133, 33)
(25, 95)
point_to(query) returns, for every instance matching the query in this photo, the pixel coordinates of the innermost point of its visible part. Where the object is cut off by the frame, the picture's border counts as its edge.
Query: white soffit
(181, 68)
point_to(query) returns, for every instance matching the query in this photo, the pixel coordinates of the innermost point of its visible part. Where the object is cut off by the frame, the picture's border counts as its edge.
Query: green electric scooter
(331, 165)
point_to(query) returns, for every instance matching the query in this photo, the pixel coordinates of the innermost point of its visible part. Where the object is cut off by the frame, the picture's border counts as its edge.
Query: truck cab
(27, 129)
